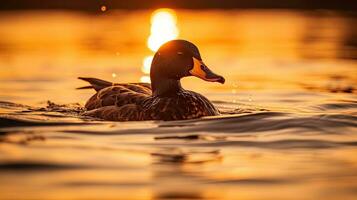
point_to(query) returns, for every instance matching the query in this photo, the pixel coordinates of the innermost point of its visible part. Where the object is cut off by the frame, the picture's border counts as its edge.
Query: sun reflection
(145, 79)
(163, 29)
(147, 64)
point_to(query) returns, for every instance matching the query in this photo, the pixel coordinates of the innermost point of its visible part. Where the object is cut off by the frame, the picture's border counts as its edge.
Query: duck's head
(177, 59)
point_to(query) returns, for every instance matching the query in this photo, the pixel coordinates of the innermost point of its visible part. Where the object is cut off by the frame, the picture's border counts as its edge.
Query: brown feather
(134, 101)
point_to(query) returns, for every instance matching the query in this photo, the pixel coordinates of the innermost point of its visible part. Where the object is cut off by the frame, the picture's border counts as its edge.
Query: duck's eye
(179, 53)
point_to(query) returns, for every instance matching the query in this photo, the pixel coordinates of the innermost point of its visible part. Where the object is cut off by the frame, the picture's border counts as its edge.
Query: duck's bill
(201, 71)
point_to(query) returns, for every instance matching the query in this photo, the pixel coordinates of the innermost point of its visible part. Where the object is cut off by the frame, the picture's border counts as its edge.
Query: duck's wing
(128, 112)
(118, 94)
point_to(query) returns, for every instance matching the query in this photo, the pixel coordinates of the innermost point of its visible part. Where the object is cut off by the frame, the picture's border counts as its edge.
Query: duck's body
(164, 99)
(135, 102)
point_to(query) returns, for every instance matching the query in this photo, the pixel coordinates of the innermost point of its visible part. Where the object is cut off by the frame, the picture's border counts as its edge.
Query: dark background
(93, 5)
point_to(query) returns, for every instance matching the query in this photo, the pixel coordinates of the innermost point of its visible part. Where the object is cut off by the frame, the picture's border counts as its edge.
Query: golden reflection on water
(261, 49)
(163, 28)
(42, 53)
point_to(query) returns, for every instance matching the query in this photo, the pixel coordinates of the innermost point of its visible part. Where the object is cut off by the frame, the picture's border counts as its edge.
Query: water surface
(288, 129)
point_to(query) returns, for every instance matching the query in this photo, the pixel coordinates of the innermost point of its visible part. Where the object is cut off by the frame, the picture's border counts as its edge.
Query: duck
(165, 98)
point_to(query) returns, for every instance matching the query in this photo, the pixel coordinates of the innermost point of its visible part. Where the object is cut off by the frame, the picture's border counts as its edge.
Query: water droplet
(114, 75)
(103, 8)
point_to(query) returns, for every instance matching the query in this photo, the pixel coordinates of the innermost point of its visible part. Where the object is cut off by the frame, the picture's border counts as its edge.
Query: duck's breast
(184, 105)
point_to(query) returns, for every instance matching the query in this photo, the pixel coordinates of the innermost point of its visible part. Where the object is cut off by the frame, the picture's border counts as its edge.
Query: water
(288, 130)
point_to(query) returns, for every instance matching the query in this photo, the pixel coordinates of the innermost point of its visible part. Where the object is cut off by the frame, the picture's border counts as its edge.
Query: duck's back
(116, 102)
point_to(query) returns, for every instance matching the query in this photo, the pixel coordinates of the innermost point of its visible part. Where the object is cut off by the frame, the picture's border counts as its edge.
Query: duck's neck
(165, 87)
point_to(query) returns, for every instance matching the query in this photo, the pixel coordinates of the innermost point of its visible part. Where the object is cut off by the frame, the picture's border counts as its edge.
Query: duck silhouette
(164, 98)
